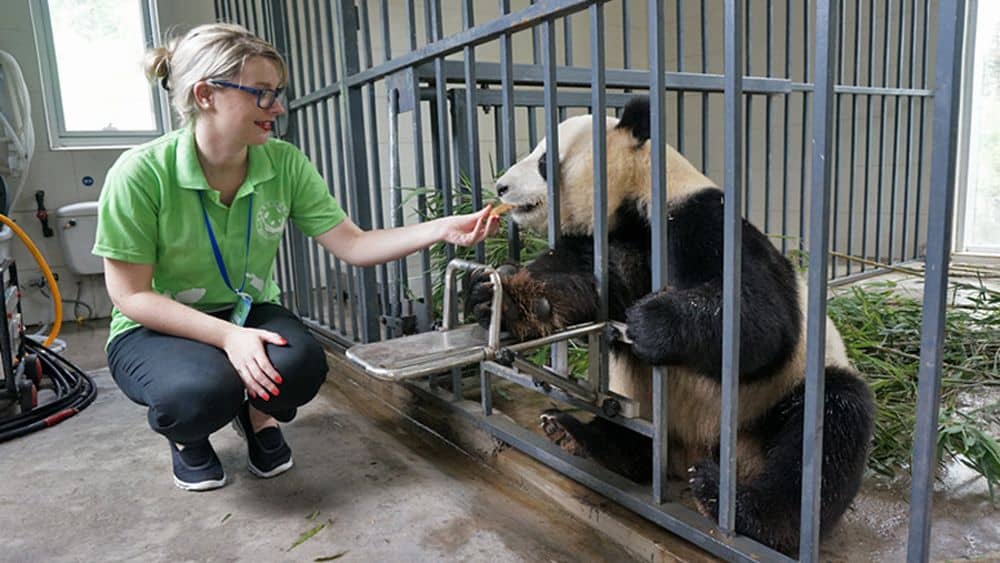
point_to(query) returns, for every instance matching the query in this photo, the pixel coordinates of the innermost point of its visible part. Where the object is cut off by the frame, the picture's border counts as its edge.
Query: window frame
(960, 240)
(59, 137)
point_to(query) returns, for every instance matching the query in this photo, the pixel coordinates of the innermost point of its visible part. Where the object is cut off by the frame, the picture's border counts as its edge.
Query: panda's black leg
(617, 448)
(562, 429)
(767, 507)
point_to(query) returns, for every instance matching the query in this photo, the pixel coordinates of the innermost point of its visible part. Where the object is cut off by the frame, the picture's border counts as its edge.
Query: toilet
(76, 227)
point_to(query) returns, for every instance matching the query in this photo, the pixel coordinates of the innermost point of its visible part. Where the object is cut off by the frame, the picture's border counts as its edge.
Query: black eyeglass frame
(259, 92)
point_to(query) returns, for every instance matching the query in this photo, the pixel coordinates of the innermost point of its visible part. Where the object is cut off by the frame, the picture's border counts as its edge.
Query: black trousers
(192, 390)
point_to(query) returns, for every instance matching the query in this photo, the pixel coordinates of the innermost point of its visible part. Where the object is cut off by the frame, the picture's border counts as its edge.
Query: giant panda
(680, 326)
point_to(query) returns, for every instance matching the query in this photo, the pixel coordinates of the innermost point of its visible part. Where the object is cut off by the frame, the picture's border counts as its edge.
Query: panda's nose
(502, 189)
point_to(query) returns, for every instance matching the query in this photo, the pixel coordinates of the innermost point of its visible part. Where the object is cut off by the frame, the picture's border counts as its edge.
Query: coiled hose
(74, 390)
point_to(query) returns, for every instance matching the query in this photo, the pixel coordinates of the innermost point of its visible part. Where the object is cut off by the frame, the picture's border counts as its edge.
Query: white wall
(59, 172)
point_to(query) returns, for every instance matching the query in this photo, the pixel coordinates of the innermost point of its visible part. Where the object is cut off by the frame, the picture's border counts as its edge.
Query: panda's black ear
(635, 118)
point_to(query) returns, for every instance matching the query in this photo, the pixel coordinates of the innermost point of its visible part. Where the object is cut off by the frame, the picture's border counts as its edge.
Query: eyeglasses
(265, 96)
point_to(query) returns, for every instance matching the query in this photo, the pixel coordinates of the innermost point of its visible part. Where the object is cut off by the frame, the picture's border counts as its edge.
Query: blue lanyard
(215, 245)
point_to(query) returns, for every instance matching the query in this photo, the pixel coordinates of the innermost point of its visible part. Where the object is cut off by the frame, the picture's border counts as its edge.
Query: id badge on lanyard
(241, 310)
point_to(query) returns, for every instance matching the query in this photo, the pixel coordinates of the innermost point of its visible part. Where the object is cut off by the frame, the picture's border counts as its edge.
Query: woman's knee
(303, 356)
(192, 411)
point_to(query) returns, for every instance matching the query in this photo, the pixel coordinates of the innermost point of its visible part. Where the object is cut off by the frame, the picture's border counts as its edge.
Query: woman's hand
(471, 229)
(245, 349)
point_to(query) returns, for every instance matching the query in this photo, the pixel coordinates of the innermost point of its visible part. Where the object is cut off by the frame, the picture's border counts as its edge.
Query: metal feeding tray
(436, 351)
(422, 354)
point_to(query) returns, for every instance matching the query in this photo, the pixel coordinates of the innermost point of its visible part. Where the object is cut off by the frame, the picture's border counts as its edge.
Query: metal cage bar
(827, 14)
(947, 94)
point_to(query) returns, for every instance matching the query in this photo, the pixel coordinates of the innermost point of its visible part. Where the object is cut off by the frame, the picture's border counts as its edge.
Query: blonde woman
(189, 227)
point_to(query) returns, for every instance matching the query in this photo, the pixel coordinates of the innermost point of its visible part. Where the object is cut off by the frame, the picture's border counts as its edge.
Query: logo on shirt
(271, 219)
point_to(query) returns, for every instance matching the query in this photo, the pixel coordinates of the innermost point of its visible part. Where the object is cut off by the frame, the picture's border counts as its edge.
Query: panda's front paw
(479, 302)
(704, 481)
(647, 322)
(527, 311)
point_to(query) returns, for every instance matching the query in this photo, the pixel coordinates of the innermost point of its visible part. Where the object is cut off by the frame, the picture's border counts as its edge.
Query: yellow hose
(49, 279)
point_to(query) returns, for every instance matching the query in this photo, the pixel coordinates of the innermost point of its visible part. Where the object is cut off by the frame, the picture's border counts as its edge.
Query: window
(979, 218)
(90, 53)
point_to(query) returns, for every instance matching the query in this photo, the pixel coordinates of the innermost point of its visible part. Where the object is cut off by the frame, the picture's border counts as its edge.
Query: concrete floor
(97, 487)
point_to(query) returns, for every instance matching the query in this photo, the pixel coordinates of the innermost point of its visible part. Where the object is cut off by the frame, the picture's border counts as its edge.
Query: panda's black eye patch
(541, 166)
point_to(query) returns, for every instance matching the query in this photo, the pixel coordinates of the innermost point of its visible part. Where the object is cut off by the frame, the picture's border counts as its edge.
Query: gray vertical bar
(895, 125)
(386, 34)
(658, 184)
(805, 120)
(356, 159)
(567, 52)
(336, 141)
(299, 245)
(768, 124)
(472, 123)
(920, 133)
(827, 13)
(508, 141)
(836, 175)
(310, 141)
(626, 42)
(679, 32)
(748, 114)
(704, 95)
(909, 129)
(598, 102)
(870, 129)
(316, 63)
(435, 30)
(854, 133)
(559, 349)
(486, 390)
(418, 162)
(535, 46)
(325, 40)
(731, 263)
(319, 254)
(395, 179)
(397, 293)
(881, 132)
(375, 187)
(551, 129)
(258, 29)
(459, 141)
(784, 141)
(947, 90)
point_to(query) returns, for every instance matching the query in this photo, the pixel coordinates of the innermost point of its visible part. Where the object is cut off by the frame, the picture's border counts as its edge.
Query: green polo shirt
(150, 212)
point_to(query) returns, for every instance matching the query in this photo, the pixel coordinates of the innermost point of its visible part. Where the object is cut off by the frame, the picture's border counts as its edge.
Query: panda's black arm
(557, 289)
(682, 324)
(567, 272)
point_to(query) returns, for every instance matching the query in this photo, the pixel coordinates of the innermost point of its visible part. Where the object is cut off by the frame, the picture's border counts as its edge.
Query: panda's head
(524, 184)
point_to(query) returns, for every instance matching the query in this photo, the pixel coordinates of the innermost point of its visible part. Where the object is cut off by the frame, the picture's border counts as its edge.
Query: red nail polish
(275, 391)
(264, 396)
(278, 380)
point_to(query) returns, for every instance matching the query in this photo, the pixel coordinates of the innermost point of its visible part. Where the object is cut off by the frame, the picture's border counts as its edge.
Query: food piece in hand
(501, 209)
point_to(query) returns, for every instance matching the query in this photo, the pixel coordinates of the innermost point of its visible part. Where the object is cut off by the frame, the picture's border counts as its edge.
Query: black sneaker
(267, 453)
(196, 467)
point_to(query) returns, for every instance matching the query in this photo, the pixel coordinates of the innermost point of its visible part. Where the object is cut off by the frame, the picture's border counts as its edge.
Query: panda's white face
(524, 184)
(628, 177)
